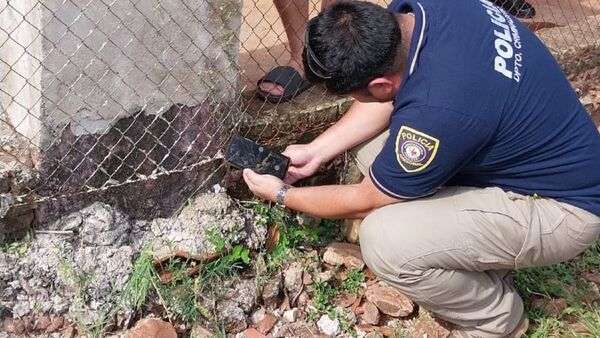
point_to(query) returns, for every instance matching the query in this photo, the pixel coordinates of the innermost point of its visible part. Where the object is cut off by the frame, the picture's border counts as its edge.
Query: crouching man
(478, 157)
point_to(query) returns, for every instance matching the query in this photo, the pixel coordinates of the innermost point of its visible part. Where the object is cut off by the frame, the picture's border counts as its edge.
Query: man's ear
(384, 88)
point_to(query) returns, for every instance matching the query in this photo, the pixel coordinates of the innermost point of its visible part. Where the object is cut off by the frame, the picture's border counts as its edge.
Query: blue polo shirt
(483, 103)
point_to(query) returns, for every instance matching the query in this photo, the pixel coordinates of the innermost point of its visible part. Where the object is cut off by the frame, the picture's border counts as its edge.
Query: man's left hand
(263, 186)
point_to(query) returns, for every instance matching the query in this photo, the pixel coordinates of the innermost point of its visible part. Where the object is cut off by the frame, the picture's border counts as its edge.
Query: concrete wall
(86, 64)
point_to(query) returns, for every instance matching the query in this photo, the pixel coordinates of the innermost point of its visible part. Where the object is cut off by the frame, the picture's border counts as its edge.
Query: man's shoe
(521, 327)
(519, 8)
(516, 333)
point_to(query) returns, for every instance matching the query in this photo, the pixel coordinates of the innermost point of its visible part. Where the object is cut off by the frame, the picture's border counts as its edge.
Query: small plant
(343, 315)
(291, 234)
(550, 282)
(81, 280)
(215, 238)
(354, 278)
(97, 328)
(323, 294)
(17, 247)
(142, 279)
(591, 321)
(180, 296)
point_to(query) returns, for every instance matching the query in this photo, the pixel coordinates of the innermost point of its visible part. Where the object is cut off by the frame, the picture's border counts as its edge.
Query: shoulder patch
(415, 150)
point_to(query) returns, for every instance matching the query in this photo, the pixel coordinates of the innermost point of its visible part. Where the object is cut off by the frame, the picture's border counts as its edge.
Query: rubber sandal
(519, 8)
(287, 77)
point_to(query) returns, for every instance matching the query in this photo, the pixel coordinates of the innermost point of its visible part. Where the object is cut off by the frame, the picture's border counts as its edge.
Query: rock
(99, 224)
(303, 298)
(370, 313)
(42, 322)
(324, 276)
(266, 324)
(308, 220)
(592, 295)
(389, 300)
(253, 333)
(345, 254)
(271, 292)
(556, 306)
(231, 316)
(431, 328)
(345, 300)
(152, 328)
(55, 324)
(307, 279)
(244, 294)
(15, 326)
(328, 326)
(553, 307)
(351, 229)
(70, 332)
(293, 279)
(297, 330)
(258, 315)
(21, 309)
(290, 316)
(207, 212)
(201, 332)
(592, 277)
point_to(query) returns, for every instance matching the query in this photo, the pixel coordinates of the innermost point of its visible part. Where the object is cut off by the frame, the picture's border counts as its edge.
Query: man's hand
(303, 162)
(263, 186)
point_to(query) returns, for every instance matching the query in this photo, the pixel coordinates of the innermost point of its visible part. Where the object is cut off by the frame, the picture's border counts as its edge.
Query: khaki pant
(452, 253)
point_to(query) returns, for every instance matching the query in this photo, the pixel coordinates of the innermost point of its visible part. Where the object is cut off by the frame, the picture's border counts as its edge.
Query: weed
(17, 247)
(81, 280)
(354, 278)
(323, 294)
(401, 333)
(291, 234)
(180, 296)
(549, 282)
(97, 327)
(141, 280)
(343, 315)
(215, 238)
(591, 321)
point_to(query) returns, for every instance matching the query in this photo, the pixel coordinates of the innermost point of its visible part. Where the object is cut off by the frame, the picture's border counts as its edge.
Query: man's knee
(370, 242)
(379, 247)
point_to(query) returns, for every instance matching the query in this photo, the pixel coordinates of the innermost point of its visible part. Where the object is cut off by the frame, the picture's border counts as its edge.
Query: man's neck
(407, 25)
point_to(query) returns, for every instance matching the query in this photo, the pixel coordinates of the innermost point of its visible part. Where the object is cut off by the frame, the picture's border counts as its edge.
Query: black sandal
(287, 77)
(519, 8)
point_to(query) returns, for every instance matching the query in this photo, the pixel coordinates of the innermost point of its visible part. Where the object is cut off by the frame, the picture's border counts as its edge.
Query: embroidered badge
(415, 150)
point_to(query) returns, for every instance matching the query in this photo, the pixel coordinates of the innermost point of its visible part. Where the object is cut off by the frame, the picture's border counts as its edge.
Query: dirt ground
(583, 70)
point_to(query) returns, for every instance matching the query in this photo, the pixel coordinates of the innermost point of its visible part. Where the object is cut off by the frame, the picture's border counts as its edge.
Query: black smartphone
(245, 153)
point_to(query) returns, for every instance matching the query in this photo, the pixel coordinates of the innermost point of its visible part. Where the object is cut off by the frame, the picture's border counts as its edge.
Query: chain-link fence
(132, 102)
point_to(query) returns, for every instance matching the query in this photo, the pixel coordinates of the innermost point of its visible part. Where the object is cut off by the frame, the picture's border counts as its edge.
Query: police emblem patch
(415, 150)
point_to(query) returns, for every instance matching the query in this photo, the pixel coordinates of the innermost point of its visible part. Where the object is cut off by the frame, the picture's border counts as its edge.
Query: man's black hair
(349, 44)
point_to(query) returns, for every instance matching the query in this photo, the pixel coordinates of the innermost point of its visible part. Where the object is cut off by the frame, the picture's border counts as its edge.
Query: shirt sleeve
(426, 148)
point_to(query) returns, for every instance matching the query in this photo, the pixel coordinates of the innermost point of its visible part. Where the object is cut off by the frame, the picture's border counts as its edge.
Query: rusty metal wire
(97, 95)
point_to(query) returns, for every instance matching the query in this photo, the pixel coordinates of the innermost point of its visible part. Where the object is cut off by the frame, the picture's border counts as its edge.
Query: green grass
(142, 279)
(17, 247)
(549, 282)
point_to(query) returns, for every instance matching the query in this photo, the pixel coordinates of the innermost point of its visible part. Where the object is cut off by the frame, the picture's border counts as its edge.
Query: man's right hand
(304, 162)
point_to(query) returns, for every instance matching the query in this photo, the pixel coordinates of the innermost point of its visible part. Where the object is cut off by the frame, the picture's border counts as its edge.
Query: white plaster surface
(90, 62)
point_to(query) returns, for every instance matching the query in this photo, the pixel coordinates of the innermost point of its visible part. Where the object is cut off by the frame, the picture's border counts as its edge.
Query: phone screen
(245, 153)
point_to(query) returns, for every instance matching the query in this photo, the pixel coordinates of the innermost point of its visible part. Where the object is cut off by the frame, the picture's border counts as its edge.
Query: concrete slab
(298, 121)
